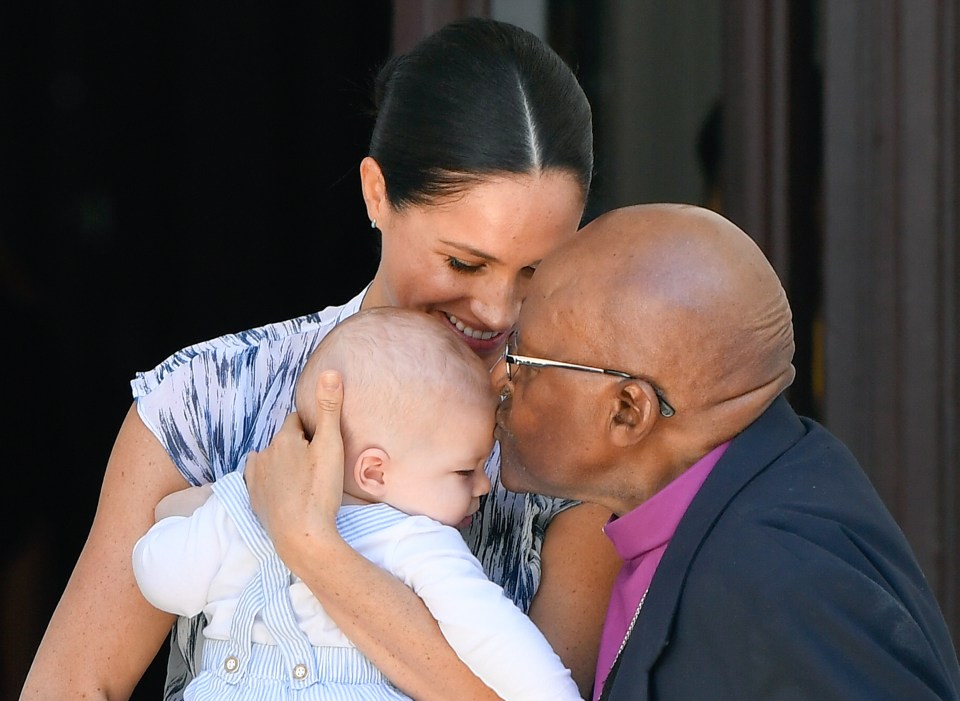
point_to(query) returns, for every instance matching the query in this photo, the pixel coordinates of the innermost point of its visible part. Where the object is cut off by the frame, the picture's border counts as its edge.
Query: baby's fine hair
(400, 368)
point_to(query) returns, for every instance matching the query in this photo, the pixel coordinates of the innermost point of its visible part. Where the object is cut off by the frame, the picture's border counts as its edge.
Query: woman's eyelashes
(462, 267)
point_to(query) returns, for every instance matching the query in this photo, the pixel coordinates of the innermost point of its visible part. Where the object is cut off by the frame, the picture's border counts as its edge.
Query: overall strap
(267, 593)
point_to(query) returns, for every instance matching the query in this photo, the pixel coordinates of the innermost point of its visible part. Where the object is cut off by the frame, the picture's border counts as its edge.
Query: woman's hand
(296, 485)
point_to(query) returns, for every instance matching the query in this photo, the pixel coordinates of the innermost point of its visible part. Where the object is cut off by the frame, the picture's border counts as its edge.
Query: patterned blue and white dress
(212, 403)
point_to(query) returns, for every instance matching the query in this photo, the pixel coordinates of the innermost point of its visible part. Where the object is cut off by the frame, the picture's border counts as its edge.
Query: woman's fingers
(271, 473)
(326, 446)
(296, 486)
(277, 480)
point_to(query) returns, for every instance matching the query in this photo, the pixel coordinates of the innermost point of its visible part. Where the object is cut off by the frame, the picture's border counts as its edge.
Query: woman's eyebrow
(471, 250)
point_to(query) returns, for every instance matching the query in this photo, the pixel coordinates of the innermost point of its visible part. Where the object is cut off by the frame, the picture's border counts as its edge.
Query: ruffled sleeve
(212, 403)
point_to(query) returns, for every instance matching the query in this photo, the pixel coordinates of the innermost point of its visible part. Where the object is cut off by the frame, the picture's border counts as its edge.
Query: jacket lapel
(751, 452)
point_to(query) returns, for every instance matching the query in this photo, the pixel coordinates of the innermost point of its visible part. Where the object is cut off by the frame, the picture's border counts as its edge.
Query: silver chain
(626, 635)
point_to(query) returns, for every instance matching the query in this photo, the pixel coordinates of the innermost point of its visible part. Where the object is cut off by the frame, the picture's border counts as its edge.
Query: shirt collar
(651, 524)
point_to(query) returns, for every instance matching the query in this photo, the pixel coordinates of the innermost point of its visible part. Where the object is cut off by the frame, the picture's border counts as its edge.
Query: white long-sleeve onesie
(186, 565)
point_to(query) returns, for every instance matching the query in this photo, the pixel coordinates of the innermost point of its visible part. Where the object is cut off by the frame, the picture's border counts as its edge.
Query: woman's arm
(579, 566)
(295, 489)
(104, 634)
(489, 632)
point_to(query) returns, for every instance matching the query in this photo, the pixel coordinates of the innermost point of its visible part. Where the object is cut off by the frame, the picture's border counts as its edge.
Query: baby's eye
(462, 267)
(465, 473)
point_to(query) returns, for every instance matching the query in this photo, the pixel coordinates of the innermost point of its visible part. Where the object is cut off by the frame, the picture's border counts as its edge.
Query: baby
(417, 424)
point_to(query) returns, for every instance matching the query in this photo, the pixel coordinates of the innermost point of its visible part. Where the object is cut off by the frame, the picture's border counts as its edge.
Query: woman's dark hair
(477, 98)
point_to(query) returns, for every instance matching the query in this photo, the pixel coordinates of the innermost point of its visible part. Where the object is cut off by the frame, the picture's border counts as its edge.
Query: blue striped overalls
(292, 668)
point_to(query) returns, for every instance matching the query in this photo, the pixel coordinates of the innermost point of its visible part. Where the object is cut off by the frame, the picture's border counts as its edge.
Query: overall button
(231, 664)
(300, 671)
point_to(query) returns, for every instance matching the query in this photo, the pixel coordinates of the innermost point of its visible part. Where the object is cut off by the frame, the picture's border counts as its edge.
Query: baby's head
(418, 412)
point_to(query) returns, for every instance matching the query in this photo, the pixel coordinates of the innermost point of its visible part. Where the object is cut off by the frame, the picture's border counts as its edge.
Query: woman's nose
(497, 303)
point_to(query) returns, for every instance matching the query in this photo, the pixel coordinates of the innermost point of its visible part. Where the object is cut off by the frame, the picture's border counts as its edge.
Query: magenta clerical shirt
(640, 537)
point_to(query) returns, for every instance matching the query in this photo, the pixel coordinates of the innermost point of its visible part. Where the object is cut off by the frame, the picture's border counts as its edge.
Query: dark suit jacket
(787, 578)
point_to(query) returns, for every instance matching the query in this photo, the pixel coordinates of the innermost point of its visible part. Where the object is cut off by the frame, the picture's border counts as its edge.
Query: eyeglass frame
(666, 410)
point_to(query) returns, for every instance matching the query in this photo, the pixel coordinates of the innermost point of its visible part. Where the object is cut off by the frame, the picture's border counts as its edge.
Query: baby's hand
(182, 503)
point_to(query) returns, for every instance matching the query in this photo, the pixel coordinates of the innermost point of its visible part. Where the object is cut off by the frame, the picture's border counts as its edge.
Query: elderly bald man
(646, 375)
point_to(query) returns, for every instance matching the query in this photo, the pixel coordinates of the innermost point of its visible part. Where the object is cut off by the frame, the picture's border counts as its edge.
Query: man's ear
(373, 187)
(634, 412)
(369, 471)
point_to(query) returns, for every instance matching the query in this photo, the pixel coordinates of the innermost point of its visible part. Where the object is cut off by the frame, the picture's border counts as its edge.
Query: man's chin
(510, 481)
(515, 476)
(512, 474)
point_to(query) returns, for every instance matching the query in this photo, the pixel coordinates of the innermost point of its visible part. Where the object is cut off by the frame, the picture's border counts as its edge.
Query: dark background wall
(168, 172)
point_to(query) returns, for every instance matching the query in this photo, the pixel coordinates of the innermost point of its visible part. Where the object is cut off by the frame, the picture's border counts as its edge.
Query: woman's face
(468, 260)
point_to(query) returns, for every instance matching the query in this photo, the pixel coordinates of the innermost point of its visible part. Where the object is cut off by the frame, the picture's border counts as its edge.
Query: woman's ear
(374, 188)
(635, 411)
(369, 471)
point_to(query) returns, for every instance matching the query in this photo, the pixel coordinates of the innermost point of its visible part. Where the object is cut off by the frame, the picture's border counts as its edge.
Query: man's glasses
(511, 359)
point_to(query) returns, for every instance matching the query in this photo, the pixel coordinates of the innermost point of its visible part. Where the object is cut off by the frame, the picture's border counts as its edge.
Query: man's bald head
(682, 296)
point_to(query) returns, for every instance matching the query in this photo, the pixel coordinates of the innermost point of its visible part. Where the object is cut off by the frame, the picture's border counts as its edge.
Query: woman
(480, 163)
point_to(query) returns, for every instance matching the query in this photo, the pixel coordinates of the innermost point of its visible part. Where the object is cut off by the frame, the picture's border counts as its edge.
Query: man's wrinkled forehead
(547, 303)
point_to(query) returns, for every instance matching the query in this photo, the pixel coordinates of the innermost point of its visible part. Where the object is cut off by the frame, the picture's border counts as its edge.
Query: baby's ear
(369, 471)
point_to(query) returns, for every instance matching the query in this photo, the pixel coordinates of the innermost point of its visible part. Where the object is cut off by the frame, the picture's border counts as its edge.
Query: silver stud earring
(373, 223)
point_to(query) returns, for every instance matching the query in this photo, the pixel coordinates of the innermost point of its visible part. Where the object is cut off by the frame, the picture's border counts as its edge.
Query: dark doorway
(171, 172)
